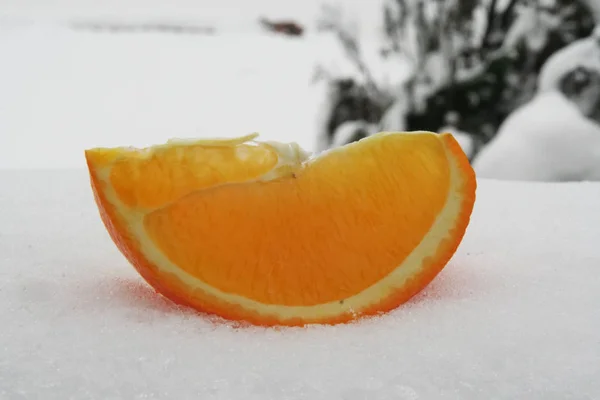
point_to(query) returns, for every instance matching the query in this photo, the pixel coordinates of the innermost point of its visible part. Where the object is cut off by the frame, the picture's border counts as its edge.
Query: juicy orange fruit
(264, 232)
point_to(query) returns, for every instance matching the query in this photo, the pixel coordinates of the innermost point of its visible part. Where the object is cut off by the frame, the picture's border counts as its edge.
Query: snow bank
(514, 315)
(547, 139)
(232, 15)
(63, 91)
(225, 15)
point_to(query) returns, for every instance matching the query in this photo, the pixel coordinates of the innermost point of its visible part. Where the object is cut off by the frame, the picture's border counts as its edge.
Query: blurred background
(517, 82)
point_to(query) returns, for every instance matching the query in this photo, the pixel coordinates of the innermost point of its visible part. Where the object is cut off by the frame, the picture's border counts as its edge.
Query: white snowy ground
(515, 315)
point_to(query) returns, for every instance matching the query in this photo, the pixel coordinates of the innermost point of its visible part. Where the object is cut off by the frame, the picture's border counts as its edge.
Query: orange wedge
(265, 233)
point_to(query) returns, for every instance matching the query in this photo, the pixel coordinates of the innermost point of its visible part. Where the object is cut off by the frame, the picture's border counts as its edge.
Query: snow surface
(513, 316)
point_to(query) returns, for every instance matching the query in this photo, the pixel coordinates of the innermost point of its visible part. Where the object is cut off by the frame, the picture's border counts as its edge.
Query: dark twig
(491, 22)
(507, 14)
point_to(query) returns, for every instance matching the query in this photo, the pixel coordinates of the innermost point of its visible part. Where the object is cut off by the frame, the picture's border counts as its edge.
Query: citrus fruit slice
(265, 233)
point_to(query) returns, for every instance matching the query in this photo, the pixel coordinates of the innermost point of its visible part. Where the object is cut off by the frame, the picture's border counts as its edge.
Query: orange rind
(266, 233)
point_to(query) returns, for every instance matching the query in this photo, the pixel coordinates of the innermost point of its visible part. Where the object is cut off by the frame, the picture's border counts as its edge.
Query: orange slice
(264, 232)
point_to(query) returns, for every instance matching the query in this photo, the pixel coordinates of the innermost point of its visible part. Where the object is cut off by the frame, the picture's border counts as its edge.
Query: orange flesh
(170, 174)
(352, 232)
(307, 234)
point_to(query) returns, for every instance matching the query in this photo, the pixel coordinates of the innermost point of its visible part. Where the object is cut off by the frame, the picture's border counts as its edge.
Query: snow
(537, 145)
(233, 15)
(514, 315)
(104, 90)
